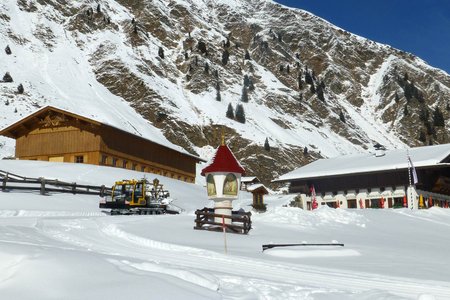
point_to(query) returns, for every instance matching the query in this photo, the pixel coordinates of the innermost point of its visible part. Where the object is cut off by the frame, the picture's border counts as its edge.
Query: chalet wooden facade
(52, 134)
(376, 180)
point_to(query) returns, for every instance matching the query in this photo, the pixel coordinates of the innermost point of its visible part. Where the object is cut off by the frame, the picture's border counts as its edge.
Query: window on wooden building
(124, 164)
(114, 162)
(79, 159)
(134, 166)
(142, 168)
(104, 160)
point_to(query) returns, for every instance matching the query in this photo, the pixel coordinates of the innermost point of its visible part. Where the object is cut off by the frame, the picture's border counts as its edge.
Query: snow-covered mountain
(169, 69)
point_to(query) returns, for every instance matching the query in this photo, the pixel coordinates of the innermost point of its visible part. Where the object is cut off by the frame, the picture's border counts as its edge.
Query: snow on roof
(371, 162)
(256, 186)
(249, 179)
(223, 161)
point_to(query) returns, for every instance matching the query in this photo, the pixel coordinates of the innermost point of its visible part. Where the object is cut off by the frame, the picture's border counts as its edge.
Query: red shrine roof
(224, 161)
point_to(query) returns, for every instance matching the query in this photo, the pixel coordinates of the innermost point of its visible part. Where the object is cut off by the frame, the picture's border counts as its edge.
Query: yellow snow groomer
(137, 197)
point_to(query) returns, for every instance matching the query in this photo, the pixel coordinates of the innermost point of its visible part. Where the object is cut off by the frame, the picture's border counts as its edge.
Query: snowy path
(100, 236)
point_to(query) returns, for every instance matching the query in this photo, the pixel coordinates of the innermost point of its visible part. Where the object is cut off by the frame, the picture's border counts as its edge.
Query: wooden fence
(240, 221)
(12, 181)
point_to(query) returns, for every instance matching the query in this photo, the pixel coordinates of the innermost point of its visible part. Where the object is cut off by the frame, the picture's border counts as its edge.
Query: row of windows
(115, 162)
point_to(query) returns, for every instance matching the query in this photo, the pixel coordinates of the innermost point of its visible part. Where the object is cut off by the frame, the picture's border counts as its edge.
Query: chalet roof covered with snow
(249, 179)
(372, 162)
(223, 161)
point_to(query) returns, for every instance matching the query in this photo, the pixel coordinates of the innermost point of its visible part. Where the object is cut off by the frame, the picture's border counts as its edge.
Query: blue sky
(421, 27)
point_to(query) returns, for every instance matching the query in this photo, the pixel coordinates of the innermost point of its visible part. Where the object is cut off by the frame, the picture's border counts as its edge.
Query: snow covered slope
(158, 69)
(61, 246)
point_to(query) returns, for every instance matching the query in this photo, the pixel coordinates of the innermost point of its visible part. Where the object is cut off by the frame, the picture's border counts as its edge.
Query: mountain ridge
(157, 69)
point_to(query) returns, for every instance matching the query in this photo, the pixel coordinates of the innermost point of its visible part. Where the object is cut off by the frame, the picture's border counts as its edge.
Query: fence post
(5, 179)
(102, 191)
(74, 187)
(42, 179)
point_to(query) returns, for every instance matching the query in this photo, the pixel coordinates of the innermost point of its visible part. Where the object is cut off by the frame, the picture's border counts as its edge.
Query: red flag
(313, 198)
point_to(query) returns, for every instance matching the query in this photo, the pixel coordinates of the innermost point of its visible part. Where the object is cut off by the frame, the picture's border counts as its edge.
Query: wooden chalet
(382, 179)
(52, 134)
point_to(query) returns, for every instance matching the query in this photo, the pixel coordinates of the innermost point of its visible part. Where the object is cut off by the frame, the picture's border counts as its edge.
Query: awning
(361, 196)
(351, 194)
(328, 197)
(387, 194)
(374, 195)
(398, 193)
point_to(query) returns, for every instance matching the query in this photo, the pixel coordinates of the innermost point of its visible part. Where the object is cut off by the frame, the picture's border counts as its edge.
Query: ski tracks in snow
(224, 273)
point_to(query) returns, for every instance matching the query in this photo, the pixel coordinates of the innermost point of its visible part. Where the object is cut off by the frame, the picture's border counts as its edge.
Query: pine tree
(207, 68)
(240, 114)
(227, 43)
(266, 145)
(305, 150)
(98, 9)
(288, 69)
(308, 78)
(438, 118)
(7, 77)
(405, 111)
(422, 136)
(244, 97)
(161, 52)
(218, 97)
(225, 56)
(312, 88)
(342, 117)
(247, 55)
(202, 47)
(230, 111)
(8, 50)
(251, 86)
(397, 98)
(20, 89)
(246, 80)
(319, 92)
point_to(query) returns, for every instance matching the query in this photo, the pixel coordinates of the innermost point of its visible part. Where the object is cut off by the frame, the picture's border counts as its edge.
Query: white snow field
(62, 246)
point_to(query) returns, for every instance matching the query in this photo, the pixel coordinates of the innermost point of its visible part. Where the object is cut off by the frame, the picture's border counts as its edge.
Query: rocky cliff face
(311, 89)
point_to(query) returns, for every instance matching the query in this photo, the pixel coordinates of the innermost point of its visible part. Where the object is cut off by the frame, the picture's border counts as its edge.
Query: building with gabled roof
(248, 181)
(223, 161)
(53, 134)
(365, 180)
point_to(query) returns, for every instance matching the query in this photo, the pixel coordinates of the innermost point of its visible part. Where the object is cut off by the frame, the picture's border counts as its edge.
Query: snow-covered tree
(240, 114)
(266, 145)
(244, 97)
(230, 112)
